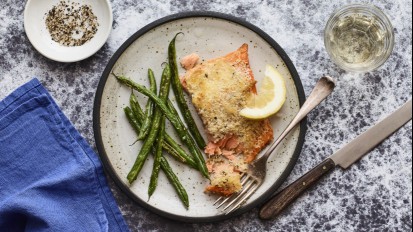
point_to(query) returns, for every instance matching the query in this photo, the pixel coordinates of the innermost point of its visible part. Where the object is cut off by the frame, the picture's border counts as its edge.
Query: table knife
(344, 158)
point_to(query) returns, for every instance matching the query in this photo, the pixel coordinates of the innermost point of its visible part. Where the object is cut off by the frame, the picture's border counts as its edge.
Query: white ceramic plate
(35, 27)
(210, 35)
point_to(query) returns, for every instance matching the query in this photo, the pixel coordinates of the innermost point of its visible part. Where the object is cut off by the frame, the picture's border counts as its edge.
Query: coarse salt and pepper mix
(71, 24)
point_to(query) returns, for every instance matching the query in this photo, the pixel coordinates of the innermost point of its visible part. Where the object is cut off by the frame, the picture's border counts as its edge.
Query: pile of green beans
(155, 123)
(175, 121)
(149, 126)
(156, 143)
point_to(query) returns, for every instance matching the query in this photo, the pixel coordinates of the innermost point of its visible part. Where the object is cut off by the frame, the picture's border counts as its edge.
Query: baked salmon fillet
(219, 89)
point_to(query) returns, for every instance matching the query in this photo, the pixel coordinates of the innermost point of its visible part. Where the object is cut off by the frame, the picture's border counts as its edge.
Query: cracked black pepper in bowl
(71, 24)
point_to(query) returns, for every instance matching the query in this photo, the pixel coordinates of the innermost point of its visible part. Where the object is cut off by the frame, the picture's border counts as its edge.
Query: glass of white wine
(359, 37)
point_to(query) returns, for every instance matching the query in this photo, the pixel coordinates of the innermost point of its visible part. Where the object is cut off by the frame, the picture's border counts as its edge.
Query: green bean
(170, 150)
(149, 109)
(163, 95)
(179, 94)
(157, 162)
(136, 108)
(175, 181)
(165, 85)
(182, 131)
(196, 154)
(180, 154)
(132, 119)
(173, 110)
(144, 152)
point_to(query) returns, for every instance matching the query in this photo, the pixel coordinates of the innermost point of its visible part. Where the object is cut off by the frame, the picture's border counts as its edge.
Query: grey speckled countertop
(373, 195)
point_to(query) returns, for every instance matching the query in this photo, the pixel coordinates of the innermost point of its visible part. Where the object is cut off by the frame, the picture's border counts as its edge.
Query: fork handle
(282, 200)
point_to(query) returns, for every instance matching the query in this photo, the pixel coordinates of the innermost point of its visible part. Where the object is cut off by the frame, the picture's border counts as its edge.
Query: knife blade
(345, 157)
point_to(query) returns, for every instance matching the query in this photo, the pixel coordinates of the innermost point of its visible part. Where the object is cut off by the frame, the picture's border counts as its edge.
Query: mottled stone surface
(373, 195)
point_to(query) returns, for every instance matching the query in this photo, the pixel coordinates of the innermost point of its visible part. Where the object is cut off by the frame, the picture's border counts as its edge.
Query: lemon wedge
(270, 98)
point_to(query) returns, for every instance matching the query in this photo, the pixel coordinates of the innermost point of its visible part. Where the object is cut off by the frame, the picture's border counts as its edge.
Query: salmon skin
(219, 89)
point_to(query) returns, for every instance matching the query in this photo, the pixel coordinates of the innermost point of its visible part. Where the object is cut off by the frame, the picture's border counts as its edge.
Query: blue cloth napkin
(50, 178)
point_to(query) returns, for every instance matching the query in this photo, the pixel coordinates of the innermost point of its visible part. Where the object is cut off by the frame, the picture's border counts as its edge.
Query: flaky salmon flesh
(219, 89)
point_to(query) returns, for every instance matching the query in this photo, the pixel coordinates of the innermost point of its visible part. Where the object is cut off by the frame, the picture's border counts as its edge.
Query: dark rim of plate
(98, 98)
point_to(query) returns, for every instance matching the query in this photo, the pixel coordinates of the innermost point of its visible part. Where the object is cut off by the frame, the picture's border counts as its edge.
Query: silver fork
(253, 178)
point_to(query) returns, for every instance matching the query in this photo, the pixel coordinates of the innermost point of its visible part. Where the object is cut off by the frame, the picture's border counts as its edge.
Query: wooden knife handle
(282, 200)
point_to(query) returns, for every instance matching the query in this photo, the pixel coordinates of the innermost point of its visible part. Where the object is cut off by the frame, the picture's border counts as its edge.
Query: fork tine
(244, 178)
(246, 188)
(218, 200)
(252, 191)
(225, 200)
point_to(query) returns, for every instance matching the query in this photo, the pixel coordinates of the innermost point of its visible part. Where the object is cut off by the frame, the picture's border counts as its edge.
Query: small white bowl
(35, 27)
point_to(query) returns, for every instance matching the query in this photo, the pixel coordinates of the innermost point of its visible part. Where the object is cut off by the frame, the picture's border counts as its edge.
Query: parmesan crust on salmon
(219, 89)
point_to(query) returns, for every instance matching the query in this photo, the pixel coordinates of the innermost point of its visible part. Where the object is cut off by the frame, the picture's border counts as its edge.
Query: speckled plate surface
(210, 35)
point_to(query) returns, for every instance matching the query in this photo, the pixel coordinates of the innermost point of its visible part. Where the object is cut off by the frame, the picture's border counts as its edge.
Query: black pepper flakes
(71, 24)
